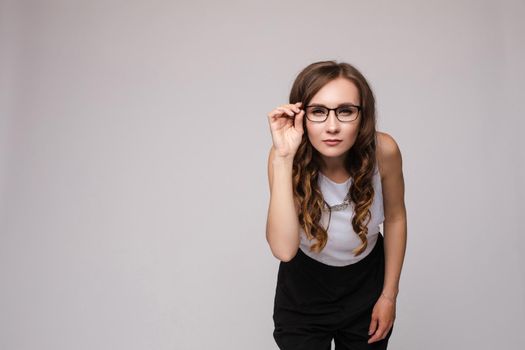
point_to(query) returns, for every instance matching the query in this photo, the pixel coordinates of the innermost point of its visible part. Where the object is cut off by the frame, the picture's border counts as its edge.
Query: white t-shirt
(342, 238)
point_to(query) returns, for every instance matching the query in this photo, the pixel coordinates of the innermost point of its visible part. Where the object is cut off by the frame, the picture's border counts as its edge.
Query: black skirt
(315, 302)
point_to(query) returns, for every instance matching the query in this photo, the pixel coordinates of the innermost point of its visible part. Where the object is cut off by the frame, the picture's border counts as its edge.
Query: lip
(332, 142)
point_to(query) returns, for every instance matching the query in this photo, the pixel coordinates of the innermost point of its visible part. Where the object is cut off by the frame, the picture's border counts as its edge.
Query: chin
(333, 153)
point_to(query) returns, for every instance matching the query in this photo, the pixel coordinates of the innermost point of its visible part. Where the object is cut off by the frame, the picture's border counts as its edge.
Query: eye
(347, 111)
(319, 111)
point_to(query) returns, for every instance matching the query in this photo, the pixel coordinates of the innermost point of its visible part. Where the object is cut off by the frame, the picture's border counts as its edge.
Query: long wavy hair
(359, 160)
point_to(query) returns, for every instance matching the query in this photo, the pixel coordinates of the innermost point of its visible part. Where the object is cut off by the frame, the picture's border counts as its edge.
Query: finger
(375, 337)
(373, 326)
(276, 114)
(278, 110)
(379, 334)
(294, 107)
(298, 122)
(291, 108)
(287, 111)
(272, 114)
(388, 329)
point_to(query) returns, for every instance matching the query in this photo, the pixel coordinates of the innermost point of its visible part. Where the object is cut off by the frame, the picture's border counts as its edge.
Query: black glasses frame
(359, 108)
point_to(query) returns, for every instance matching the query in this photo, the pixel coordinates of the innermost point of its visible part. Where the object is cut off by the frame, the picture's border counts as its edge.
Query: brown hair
(359, 160)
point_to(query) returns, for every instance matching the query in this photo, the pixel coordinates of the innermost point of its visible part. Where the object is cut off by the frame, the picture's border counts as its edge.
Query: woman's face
(334, 93)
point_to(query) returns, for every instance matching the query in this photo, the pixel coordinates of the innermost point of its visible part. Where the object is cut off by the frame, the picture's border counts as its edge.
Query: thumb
(373, 325)
(298, 122)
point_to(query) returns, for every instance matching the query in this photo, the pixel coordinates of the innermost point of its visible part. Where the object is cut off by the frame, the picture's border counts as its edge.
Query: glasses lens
(347, 113)
(316, 114)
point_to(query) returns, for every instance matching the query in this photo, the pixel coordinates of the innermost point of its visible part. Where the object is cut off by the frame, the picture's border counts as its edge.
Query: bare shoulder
(388, 155)
(392, 181)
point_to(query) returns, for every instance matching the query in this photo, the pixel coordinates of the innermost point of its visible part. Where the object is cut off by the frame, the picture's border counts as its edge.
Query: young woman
(331, 187)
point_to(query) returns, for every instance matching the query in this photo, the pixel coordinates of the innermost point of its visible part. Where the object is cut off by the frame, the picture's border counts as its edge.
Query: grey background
(133, 154)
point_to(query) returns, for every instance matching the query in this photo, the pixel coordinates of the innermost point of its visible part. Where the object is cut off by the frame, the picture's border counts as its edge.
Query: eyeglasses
(345, 113)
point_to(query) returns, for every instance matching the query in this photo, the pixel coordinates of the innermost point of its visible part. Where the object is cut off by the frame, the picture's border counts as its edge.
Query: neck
(332, 165)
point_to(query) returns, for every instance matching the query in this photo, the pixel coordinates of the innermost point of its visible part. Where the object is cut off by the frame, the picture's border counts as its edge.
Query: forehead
(337, 91)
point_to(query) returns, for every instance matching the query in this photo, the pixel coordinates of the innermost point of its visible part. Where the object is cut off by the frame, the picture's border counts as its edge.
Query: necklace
(341, 206)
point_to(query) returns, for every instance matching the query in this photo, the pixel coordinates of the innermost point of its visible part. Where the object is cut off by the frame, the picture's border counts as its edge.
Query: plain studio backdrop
(133, 152)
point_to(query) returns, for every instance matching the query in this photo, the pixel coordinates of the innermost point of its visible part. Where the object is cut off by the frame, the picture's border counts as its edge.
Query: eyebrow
(339, 105)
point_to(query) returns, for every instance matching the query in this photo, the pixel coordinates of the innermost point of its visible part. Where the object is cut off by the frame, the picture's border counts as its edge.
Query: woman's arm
(282, 225)
(395, 224)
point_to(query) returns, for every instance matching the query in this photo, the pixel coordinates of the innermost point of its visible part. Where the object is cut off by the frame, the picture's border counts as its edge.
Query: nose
(332, 122)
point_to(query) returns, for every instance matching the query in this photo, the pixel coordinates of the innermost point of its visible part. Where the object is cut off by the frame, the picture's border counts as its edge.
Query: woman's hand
(383, 316)
(286, 125)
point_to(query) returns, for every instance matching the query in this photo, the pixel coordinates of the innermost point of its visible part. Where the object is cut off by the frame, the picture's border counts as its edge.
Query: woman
(331, 187)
